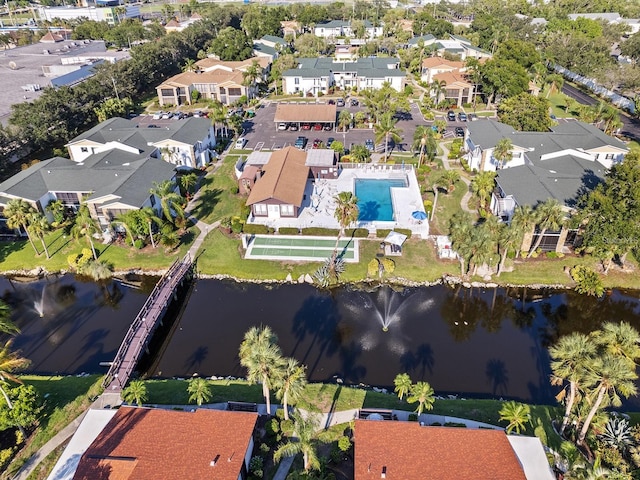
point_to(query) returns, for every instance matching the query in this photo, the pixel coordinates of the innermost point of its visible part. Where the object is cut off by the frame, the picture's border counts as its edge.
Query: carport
(305, 113)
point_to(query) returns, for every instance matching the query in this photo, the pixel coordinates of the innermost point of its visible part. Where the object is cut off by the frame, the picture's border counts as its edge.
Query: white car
(282, 126)
(167, 115)
(157, 115)
(240, 143)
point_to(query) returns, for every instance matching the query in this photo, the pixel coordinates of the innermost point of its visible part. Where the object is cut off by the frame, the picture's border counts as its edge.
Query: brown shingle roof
(303, 112)
(411, 452)
(149, 444)
(215, 77)
(284, 179)
(51, 37)
(432, 62)
(452, 79)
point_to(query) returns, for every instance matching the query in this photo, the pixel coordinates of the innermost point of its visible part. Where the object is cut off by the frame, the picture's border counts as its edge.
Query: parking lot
(261, 131)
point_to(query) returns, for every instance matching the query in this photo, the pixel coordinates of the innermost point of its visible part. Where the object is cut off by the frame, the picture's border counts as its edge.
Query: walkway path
(464, 202)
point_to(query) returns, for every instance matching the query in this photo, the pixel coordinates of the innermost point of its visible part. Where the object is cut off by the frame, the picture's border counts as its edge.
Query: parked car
(240, 143)
(354, 102)
(293, 127)
(327, 127)
(451, 116)
(317, 127)
(317, 143)
(472, 117)
(306, 126)
(198, 114)
(340, 102)
(167, 115)
(330, 140)
(331, 102)
(301, 142)
(462, 117)
(152, 126)
(369, 144)
(459, 132)
(157, 115)
(282, 126)
(179, 116)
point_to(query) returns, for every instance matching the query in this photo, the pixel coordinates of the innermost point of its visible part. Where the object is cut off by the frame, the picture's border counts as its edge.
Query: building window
(259, 209)
(235, 92)
(68, 198)
(296, 81)
(166, 92)
(609, 156)
(84, 149)
(286, 210)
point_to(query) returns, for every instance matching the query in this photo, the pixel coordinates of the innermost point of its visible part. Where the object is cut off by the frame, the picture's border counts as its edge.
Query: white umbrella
(375, 416)
(395, 238)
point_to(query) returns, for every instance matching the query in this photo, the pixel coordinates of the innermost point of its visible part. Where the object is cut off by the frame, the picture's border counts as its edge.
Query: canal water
(469, 342)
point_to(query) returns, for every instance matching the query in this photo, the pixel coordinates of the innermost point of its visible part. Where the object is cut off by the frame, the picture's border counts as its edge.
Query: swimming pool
(374, 198)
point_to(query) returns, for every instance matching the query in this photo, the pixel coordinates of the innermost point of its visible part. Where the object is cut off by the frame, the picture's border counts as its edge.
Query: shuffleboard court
(296, 248)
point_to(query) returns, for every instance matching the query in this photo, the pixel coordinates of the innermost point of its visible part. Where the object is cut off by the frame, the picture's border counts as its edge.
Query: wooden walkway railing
(144, 325)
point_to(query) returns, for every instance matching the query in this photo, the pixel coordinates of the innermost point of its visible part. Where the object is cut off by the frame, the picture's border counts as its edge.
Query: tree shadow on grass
(207, 202)
(60, 242)
(11, 247)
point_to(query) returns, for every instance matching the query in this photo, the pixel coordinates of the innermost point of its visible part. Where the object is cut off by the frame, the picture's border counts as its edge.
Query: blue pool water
(374, 198)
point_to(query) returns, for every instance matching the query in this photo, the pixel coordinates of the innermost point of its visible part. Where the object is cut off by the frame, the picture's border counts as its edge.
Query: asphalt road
(630, 127)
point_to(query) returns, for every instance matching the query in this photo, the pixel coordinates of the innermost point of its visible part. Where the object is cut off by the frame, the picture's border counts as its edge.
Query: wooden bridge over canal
(146, 322)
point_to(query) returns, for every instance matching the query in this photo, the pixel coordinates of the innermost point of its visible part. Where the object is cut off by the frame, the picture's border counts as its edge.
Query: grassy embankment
(64, 399)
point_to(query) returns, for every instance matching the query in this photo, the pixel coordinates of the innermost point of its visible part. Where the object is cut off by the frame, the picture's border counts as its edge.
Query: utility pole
(114, 87)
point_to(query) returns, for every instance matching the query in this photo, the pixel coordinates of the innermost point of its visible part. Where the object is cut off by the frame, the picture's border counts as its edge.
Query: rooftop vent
(116, 174)
(383, 474)
(126, 164)
(48, 171)
(214, 461)
(231, 456)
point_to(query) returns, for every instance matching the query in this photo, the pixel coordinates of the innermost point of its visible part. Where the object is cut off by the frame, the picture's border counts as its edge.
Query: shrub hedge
(321, 232)
(255, 228)
(289, 231)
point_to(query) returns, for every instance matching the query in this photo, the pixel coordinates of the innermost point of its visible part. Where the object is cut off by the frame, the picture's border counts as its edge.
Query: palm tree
(6, 325)
(386, 129)
(569, 359)
(460, 228)
(402, 384)
(39, 225)
(85, 226)
(437, 88)
(613, 376)
(517, 414)
(304, 430)
(523, 220)
(424, 139)
(136, 393)
(262, 358)
(170, 201)
(346, 213)
(292, 383)
(619, 339)
(555, 82)
(509, 236)
(252, 74)
(18, 212)
(199, 391)
(344, 120)
(422, 393)
(482, 185)
(56, 208)
(187, 182)
(10, 362)
(449, 179)
(98, 270)
(549, 217)
(190, 65)
(503, 151)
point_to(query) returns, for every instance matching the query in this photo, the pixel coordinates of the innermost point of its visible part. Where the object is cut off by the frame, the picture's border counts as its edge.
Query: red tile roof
(409, 451)
(152, 444)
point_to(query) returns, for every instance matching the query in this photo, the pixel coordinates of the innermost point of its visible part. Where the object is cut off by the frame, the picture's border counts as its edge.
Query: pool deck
(318, 206)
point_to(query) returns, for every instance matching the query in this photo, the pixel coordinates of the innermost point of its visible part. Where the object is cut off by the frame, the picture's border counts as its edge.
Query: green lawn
(218, 194)
(66, 398)
(20, 255)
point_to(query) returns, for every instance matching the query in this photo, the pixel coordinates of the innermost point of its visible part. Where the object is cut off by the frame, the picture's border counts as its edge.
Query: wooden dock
(146, 322)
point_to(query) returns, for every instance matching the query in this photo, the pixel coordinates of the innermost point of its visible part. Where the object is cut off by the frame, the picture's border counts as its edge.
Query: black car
(301, 142)
(459, 132)
(451, 116)
(330, 140)
(331, 102)
(354, 102)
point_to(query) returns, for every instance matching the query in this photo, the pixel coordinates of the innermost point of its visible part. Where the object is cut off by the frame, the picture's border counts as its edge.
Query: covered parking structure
(300, 114)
